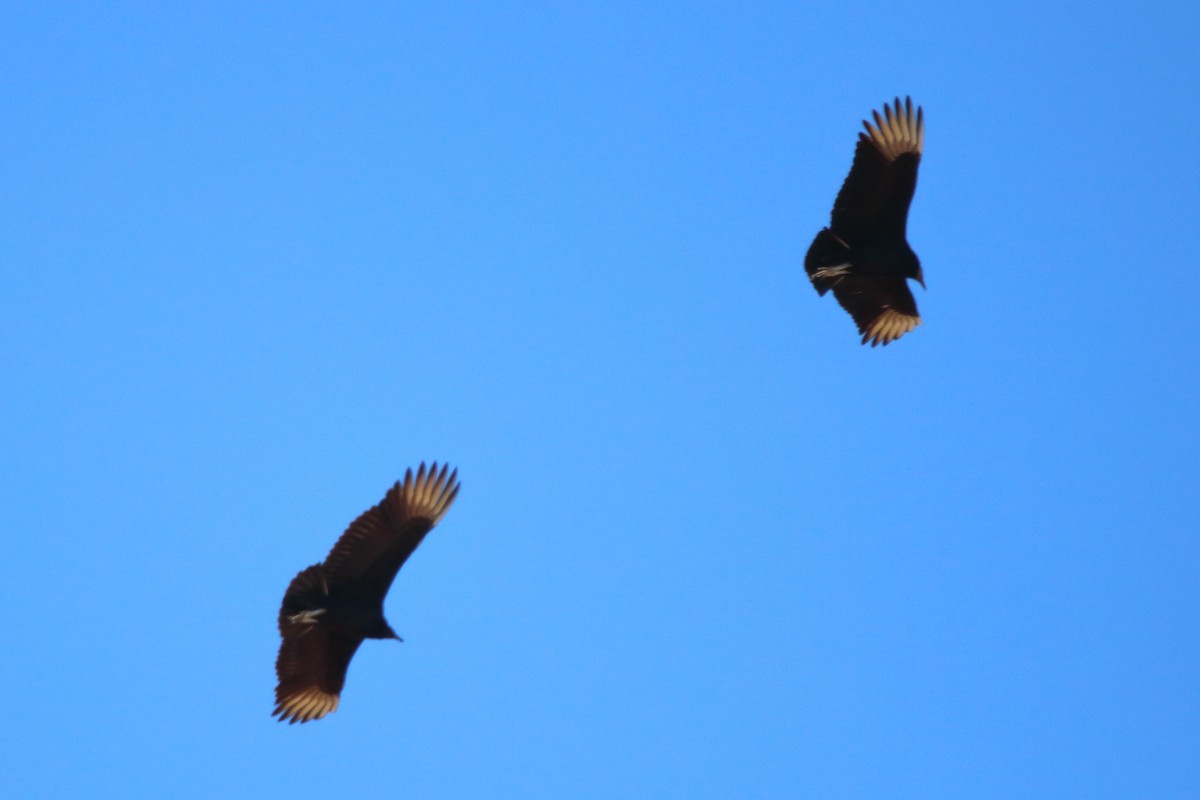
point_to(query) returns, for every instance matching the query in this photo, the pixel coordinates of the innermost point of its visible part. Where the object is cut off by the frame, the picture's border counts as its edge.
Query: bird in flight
(863, 256)
(331, 607)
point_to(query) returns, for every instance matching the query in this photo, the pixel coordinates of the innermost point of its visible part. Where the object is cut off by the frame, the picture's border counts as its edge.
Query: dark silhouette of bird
(863, 256)
(330, 608)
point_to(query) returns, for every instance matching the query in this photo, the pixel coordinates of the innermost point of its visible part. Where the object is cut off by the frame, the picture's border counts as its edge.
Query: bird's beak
(921, 278)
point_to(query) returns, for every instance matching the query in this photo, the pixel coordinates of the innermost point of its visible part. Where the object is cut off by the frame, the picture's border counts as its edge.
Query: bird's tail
(828, 259)
(428, 494)
(306, 592)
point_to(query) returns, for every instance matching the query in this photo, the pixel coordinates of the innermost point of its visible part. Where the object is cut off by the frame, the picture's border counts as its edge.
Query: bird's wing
(371, 551)
(311, 668)
(882, 307)
(874, 199)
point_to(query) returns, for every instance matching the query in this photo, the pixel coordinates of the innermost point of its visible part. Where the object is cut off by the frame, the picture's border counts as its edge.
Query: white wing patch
(306, 617)
(835, 271)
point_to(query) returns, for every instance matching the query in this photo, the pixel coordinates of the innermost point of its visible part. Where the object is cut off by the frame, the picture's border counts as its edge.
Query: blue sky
(258, 261)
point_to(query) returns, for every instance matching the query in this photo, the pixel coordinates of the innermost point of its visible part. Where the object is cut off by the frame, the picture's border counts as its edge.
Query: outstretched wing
(873, 202)
(883, 307)
(312, 661)
(367, 557)
(311, 668)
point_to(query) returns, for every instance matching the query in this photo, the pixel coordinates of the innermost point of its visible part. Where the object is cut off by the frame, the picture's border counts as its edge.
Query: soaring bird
(863, 256)
(331, 607)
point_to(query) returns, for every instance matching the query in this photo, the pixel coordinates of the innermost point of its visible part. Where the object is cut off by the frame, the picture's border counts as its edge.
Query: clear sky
(258, 259)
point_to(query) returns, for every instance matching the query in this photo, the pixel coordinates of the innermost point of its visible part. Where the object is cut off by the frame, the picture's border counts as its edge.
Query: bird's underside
(863, 256)
(330, 608)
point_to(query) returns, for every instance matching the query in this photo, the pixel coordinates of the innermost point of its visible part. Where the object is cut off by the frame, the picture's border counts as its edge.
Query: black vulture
(863, 256)
(330, 608)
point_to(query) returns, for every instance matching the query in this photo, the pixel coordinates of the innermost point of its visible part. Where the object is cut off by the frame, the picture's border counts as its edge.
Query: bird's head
(381, 630)
(914, 270)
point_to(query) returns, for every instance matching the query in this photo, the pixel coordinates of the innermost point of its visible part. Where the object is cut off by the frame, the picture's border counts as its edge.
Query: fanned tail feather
(827, 261)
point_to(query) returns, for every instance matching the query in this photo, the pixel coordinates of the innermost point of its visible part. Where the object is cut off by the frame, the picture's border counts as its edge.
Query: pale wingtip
(898, 130)
(431, 491)
(888, 327)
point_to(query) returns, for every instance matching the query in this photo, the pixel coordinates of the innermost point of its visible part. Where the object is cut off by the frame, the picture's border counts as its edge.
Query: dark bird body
(864, 256)
(330, 608)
